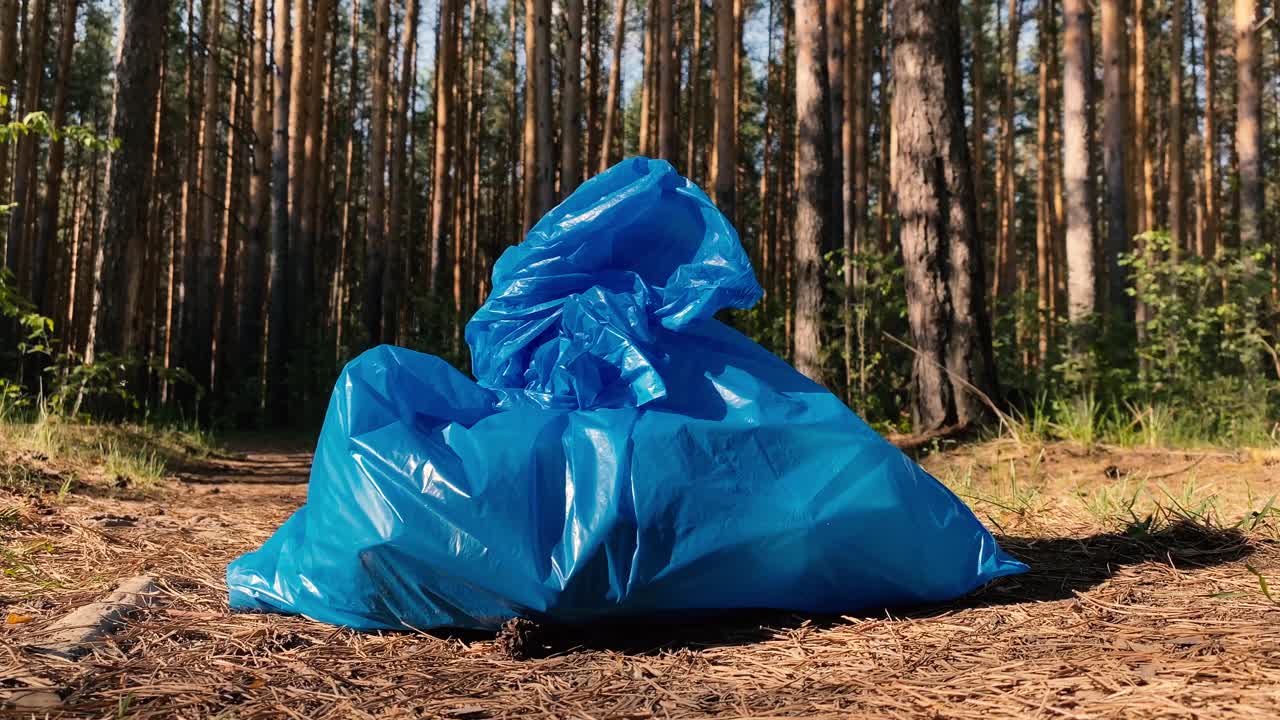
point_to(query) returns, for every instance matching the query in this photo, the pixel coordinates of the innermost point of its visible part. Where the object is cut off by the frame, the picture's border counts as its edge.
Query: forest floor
(1146, 598)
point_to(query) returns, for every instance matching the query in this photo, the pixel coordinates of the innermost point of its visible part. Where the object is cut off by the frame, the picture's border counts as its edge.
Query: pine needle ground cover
(1148, 597)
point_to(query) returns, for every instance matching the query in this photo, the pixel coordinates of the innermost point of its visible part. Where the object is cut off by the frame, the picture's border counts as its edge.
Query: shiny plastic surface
(623, 453)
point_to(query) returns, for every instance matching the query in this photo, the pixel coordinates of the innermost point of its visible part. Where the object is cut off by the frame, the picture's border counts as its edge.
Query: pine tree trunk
(224, 294)
(979, 128)
(942, 254)
(1006, 253)
(1209, 245)
(612, 119)
(571, 103)
(48, 231)
(541, 89)
(1249, 123)
(1077, 134)
(396, 240)
(667, 77)
(375, 241)
(249, 310)
(24, 172)
(838, 235)
(1142, 123)
(8, 65)
(813, 155)
(312, 119)
(1044, 211)
(695, 88)
(1177, 168)
(199, 357)
(726, 148)
(440, 162)
(300, 47)
(594, 47)
(1114, 137)
(278, 261)
(118, 274)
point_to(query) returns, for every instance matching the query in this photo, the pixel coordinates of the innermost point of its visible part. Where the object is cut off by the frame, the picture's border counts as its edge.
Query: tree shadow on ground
(1060, 568)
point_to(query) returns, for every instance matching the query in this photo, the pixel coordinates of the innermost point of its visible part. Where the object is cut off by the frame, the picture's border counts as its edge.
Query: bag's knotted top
(576, 308)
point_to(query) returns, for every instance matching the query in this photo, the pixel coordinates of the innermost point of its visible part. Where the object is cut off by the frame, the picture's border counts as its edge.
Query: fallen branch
(74, 635)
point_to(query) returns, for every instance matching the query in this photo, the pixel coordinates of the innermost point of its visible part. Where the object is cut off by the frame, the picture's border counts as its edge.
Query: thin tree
(1142, 123)
(726, 147)
(1114, 137)
(1044, 210)
(1209, 237)
(839, 234)
(396, 242)
(375, 227)
(813, 156)
(24, 172)
(8, 65)
(942, 253)
(570, 102)
(249, 309)
(695, 89)
(667, 78)
(647, 75)
(1177, 169)
(1077, 129)
(48, 231)
(611, 115)
(1249, 123)
(1006, 221)
(440, 162)
(278, 260)
(313, 116)
(299, 87)
(199, 353)
(540, 89)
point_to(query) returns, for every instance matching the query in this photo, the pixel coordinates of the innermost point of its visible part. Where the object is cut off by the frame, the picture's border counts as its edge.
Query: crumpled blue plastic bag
(623, 453)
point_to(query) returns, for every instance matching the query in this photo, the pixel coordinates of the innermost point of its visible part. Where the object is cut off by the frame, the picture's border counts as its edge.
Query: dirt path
(1162, 620)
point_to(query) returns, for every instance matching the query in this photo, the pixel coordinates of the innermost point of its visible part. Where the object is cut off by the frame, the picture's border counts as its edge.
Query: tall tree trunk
(375, 241)
(695, 88)
(312, 127)
(668, 72)
(1147, 202)
(249, 309)
(57, 153)
(199, 358)
(224, 294)
(440, 163)
(1077, 133)
(8, 64)
(24, 172)
(726, 147)
(1114, 137)
(278, 260)
(513, 204)
(396, 242)
(1209, 238)
(813, 156)
(1177, 169)
(594, 48)
(647, 74)
(571, 103)
(942, 254)
(300, 47)
(838, 235)
(1044, 211)
(541, 90)
(1249, 123)
(979, 128)
(118, 274)
(1006, 260)
(612, 119)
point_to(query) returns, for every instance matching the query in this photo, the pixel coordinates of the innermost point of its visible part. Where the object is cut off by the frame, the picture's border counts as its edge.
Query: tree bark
(1006, 261)
(1249, 123)
(839, 235)
(942, 254)
(1044, 211)
(249, 310)
(695, 88)
(396, 240)
(118, 273)
(1209, 238)
(300, 47)
(541, 90)
(571, 103)
(612, 120)
(1177, 167)
(278, 260)
(199, 357)
(8, 65)
(48, 231)
(647, 74)
(1077, 132)
(667, 77)
(440, 163)
(1115, 136)
(726, 154)
(375, 222)
(24, 172)
(813, 156)
(313, 115)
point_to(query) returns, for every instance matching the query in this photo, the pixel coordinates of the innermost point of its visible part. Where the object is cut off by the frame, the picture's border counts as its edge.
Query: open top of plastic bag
(622, 454)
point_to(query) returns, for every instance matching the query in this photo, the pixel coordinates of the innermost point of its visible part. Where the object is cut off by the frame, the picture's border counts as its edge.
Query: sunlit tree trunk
(1006, 221)
(48, 230)
(396, 240)
(1249, 123)
(8, 65)
(612, 118)
(942, 254)
(1177, 168)
(1044, 211)
(667, 78)
(1209, 237)
(24, 172)
(1077, 131)
(726, 148)
(375, 228)
(1114, 137)
(813, 155)
(249, 309)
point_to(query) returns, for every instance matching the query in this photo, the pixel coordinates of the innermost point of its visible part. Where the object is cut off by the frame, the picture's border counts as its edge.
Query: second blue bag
(620, 454)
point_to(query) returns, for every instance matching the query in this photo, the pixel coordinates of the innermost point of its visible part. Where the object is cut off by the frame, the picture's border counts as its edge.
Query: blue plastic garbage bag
(622, 454)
